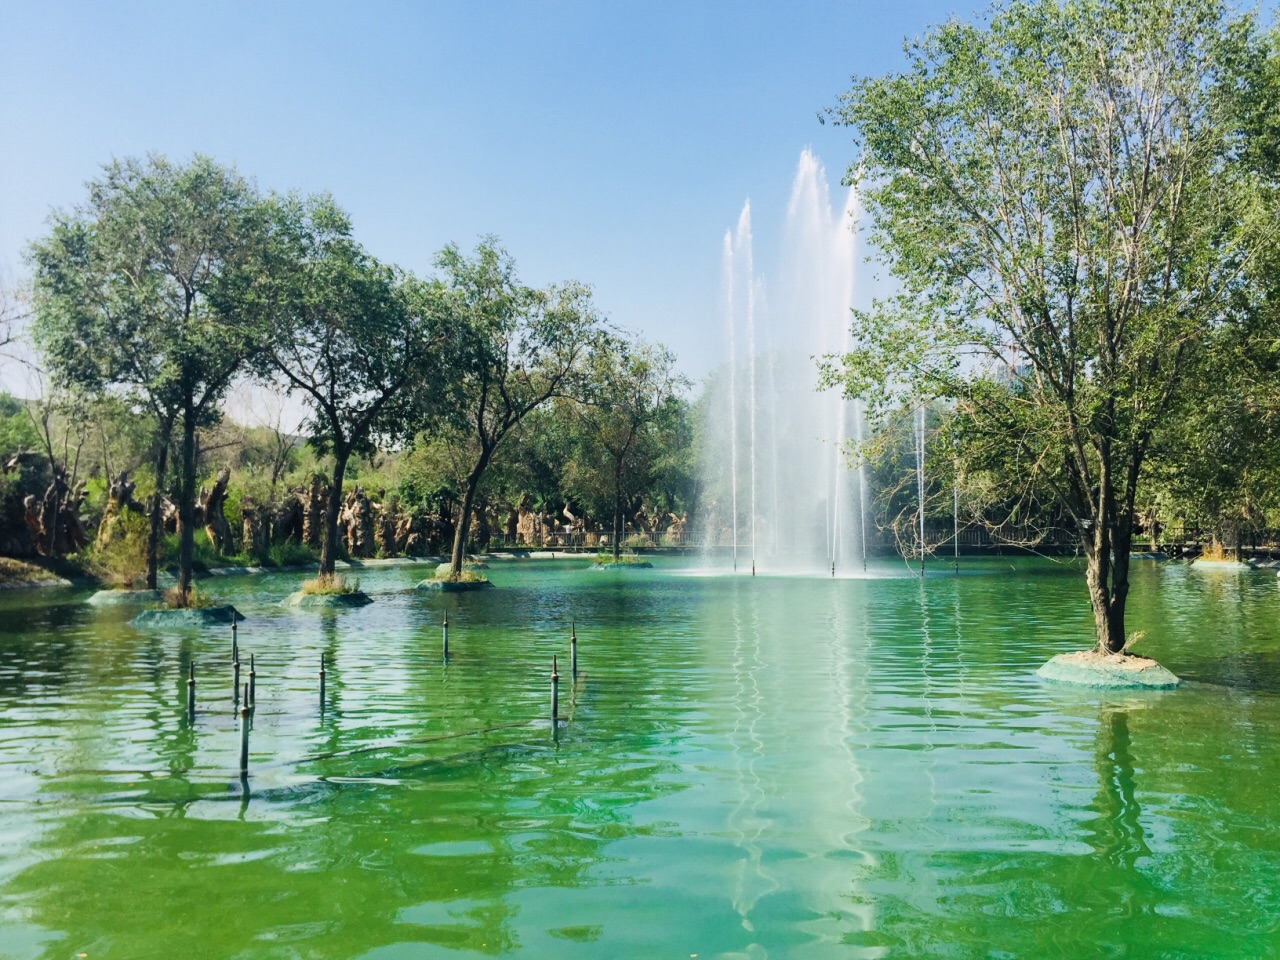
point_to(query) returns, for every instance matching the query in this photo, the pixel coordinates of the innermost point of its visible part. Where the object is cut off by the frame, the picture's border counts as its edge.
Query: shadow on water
(1257, 671)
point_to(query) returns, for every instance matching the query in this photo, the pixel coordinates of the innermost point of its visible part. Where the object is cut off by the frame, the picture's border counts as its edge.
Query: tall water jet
(773, 446)
(920, 416)
(803, 499)
(733, 387)
(744, 245)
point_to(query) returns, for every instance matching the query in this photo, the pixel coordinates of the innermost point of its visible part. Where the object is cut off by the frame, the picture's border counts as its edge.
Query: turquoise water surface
(768, 767)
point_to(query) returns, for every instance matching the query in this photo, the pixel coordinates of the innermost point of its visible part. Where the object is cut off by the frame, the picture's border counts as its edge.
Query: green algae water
(750, 768)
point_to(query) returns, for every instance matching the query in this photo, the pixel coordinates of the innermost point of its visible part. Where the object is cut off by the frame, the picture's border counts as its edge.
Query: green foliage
(135, 293)
(123, 561)
(330, 585)
(1064, 197)
(365, 344)
(288, 554)
(17, 432)
(621, 560)
(21, 572)
(193, 598)
(130, 288)
(468, 574)
(632, 399)
(518, 348)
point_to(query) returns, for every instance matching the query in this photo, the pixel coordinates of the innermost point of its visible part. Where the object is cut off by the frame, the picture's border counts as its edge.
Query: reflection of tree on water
(1116, 833)
(330, 720)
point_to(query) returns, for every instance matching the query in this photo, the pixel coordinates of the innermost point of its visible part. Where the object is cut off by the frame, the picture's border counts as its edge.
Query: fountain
(802, 508)
(919, 438)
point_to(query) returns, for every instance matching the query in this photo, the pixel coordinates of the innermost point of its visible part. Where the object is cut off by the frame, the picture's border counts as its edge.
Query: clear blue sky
(608, 142)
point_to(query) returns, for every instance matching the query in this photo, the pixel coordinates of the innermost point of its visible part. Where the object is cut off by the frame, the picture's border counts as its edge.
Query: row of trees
(174, 281)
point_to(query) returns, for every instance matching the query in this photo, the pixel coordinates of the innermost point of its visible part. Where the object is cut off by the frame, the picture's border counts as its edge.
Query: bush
(122, 563)
(468, 575)
(623, 560)
(20, 572)
(289, 554)
(330, 584)
(194, 600)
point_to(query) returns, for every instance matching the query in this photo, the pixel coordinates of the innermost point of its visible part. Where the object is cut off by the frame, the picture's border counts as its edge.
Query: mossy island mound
(326, 601)
(443, 569)
(187, 617)
(125, 598)
(453, 586)
(1111, 671)
(625, 562)
(328, 592)
(19, 573)
(441, 583)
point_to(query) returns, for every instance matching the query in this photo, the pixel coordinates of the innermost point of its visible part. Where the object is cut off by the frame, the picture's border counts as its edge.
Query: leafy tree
(633, 388)
(1065, 198)
(1216, 463)
(17, 431)
(520, 348)
(364, 343)
(130, 296)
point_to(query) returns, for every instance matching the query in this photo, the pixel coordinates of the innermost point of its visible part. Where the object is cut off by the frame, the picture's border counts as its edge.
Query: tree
(633, 388)
(13, 316)
(520, 348)
(366, 344)
(1065, 199)
(1217, 462)
(130, 295)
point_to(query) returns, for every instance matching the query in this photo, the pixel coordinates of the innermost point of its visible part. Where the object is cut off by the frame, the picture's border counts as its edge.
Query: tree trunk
(1107, 575)
(329, 541)
(187, 501)
(464, 518)
(463, 528)
(617, 514)
(157, 513)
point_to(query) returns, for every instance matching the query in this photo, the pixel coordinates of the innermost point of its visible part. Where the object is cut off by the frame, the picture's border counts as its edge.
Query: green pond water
(768, 767)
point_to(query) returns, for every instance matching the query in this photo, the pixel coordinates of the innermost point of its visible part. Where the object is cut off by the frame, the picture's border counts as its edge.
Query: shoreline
(373, 563)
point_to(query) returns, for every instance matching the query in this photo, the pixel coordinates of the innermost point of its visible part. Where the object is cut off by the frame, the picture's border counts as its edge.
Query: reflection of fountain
(747, 820)
(920, 427)
(800, 509)
(733, 381)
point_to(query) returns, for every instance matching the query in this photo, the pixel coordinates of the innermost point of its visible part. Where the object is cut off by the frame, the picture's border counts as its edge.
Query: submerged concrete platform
(327, 601)
(1089, 668)
(453, 586)
(188, 618)
(124, 598)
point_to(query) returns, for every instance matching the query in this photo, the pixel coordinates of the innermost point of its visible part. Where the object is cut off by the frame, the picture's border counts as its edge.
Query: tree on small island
(367, 345)
(1069, 203)
(130, 295)
(632, 389)
(520, 347)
